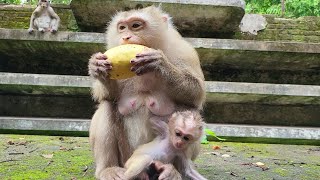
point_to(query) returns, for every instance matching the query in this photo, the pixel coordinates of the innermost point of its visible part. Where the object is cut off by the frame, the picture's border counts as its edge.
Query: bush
(293, 8)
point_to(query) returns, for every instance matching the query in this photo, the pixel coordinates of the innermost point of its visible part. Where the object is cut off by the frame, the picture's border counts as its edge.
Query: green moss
(71, 158)
(268, 140)
(282, 172)
(46, 133)
(48, 90)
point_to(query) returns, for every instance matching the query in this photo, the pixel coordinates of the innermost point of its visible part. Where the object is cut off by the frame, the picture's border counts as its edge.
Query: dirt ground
(57, 157)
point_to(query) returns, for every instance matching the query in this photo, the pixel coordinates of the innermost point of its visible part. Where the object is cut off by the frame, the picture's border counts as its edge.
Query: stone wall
(303, 29)
(18, 17)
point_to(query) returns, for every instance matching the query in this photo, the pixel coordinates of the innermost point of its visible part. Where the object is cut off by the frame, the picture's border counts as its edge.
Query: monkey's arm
(56, 19)
(190, 170)
(183, 76)
(53, 14)
(33, 16)
(136, 164)
(159, 126)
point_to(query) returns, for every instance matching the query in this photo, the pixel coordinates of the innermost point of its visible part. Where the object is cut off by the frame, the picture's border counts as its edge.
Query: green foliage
(209, 132)
(303, 8)
(293, 8)
(33, 2)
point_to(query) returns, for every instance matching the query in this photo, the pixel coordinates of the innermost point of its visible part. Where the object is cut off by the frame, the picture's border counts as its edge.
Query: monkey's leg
(136, 164)
(104, 143)
(167, 171)
(191, 172)
(53, 26)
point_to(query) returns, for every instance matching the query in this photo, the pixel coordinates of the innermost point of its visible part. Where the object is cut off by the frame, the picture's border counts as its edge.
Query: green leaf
(211, 133)
(204, 140)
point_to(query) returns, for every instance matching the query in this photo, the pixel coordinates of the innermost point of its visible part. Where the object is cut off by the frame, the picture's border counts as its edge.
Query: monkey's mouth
(178, 146)
(132, 42)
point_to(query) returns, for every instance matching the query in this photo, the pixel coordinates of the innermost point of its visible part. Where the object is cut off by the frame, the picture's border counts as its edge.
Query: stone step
(193, 18)
(227, 102)
(221, 59)
(54, 124)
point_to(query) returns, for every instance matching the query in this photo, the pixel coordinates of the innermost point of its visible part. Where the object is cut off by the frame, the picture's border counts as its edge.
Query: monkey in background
(44, 18)
(174, 140)
(168, 73)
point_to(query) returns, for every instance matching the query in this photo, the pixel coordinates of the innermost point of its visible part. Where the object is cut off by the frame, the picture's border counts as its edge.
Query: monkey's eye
(178, 134)
(136, 25)
(121, 27)
(186, 138)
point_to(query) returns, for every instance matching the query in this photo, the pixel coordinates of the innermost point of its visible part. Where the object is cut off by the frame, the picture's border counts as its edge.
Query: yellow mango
(120, 57)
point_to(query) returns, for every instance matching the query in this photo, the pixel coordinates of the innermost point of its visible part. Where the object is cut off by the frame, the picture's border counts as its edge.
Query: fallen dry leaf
(23, 143)
(10, 142)
(216, 147)
(48, 156)
(225, 156)
(259, 164)
(62, 148)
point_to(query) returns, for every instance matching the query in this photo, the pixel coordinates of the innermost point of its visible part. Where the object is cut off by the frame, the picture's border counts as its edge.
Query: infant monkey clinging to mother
(175, 142)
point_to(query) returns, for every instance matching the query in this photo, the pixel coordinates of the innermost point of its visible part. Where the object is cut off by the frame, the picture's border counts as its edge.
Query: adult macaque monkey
(170, 71)
(44, 18)
(174, 140)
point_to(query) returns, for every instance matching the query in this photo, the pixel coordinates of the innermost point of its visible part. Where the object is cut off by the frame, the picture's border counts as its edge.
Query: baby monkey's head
(185, 128)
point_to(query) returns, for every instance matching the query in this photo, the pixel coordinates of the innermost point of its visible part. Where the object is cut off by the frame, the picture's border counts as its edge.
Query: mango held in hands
(120, 57)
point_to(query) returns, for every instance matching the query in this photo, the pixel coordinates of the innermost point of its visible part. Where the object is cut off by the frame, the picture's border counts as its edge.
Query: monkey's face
(131, 31)
(181, 139)
(145, 27)
(43, 3)
(185, 128)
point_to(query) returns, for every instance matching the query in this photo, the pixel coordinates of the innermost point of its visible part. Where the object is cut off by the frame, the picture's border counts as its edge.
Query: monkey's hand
(112, 173)
(30, 30)
(167, 171)
(99, 66)
(147, 61)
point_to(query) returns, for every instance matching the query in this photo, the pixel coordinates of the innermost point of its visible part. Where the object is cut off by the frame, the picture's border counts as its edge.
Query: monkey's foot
(53, 31)
(112, 173)
(30, 30)
(42, 30)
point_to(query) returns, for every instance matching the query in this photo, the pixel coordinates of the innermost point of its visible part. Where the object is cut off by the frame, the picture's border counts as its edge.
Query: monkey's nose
(126, 38)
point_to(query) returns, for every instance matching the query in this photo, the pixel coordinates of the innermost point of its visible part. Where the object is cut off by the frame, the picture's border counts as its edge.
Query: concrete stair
(43, 84)
(64, 99)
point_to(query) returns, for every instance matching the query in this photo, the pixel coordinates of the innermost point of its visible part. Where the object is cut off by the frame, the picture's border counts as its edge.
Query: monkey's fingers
(100, 56)
(113, 173)
(169, 172)
(145, 59)
(145, 68)
(103, 63)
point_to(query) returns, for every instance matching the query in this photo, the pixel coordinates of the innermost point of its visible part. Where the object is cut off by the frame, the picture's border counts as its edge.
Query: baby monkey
(174, 141)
